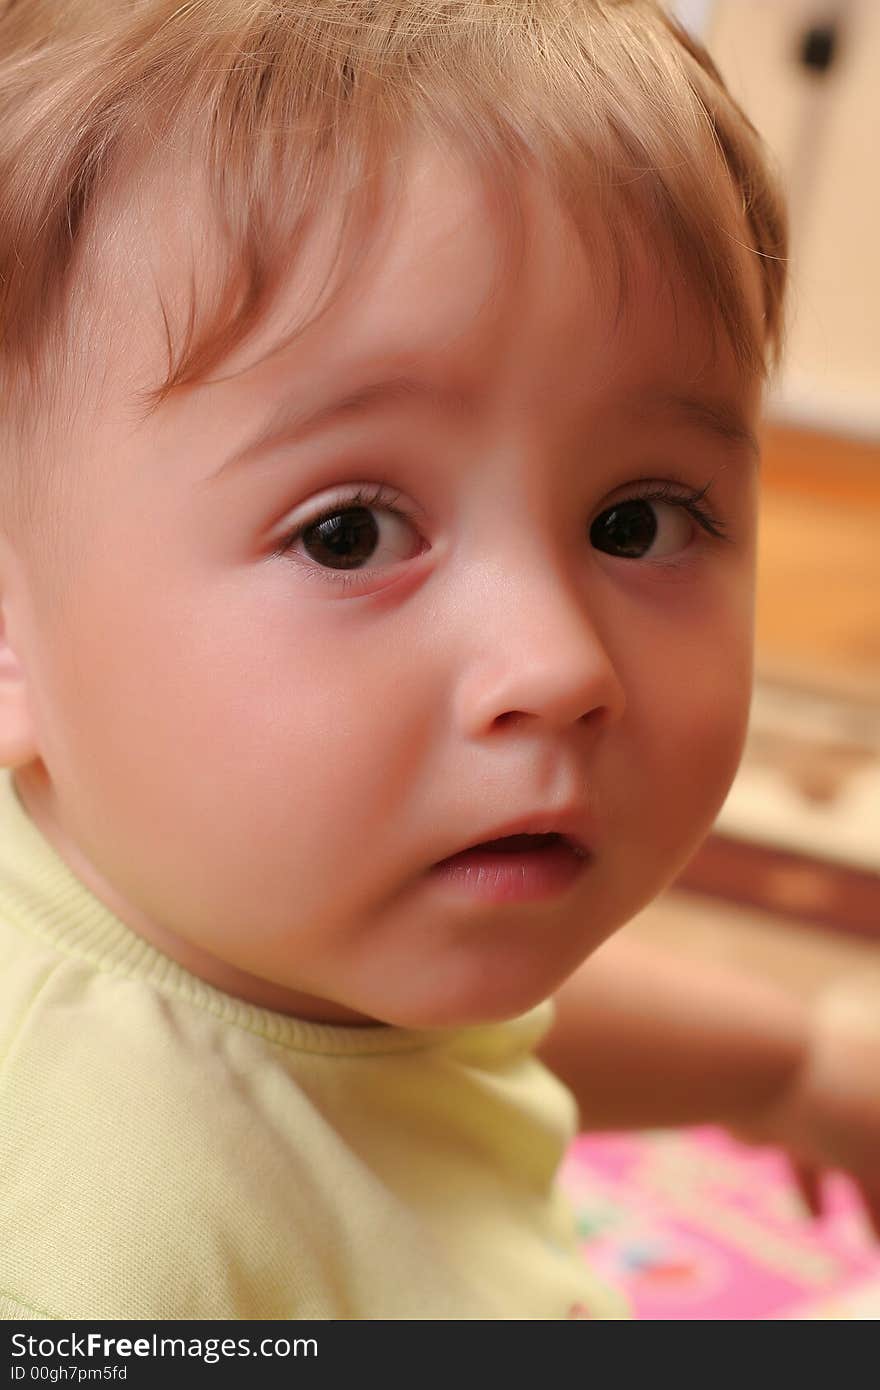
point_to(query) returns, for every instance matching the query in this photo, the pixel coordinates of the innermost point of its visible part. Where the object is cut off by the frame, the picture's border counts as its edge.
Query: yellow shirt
(168, 1151)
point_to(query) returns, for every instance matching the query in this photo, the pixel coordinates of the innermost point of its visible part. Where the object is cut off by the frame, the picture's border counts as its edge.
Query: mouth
(514, 868)
(525, 844)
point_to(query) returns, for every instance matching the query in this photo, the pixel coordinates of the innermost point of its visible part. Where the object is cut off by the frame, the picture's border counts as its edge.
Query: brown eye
(345, 540)
(361, 532)
(653, 526)
(628, 529)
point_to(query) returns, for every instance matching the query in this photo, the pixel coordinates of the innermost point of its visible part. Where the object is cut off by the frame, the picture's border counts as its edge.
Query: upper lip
(568, 823)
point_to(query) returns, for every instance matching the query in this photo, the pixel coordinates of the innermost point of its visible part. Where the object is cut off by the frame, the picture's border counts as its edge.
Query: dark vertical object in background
(818, 48)
(819, 53)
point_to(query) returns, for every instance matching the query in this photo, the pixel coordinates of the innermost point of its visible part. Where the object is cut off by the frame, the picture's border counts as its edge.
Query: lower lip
(522, 876)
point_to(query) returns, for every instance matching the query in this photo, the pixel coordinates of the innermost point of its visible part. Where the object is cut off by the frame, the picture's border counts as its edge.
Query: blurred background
(788, 884)
(799, 838)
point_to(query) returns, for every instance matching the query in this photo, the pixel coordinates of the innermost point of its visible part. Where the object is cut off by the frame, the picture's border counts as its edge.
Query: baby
(379, 486)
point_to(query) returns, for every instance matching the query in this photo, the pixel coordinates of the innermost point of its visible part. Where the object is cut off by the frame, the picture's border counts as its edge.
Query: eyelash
(364, 497)
(687, 499)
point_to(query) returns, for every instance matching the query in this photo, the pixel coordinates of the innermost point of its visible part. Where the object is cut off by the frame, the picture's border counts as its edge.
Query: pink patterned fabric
(693, 1225)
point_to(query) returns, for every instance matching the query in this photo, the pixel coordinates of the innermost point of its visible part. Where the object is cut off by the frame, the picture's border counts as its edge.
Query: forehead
(446, 280)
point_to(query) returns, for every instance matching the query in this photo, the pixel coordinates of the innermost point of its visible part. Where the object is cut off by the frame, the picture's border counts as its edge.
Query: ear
(18, 744)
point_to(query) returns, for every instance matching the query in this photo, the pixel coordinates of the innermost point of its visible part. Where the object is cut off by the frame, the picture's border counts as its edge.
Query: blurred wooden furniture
(818, 607)
(817, 624)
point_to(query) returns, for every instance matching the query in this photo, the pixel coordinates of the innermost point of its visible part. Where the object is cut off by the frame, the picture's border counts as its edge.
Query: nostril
(510, 718)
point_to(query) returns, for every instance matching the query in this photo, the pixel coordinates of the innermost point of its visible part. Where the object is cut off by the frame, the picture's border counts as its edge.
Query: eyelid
(348, 495)
(670, 490)
(366, 495)
(676, 493)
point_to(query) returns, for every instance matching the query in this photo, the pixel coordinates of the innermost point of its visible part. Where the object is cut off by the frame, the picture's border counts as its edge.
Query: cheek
(352, 721)
(277, 757)
(690, 720)
(313, 734)
(710, 727)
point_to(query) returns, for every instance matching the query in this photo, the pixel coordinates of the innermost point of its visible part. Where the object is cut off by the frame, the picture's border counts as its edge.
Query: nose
(538, 653)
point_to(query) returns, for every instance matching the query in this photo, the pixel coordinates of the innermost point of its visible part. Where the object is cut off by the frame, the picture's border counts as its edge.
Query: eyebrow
(292, 426)
(719, 418)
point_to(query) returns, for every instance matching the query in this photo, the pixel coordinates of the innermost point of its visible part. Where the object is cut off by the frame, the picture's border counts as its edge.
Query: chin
(472, 1008)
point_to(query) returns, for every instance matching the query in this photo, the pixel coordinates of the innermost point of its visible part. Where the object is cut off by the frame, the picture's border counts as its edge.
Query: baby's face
(255, 750)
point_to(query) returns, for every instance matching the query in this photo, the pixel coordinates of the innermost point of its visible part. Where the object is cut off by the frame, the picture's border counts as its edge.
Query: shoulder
(140, 1174)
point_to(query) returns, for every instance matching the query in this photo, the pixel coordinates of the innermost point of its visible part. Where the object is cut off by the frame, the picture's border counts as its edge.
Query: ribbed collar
(41, 896)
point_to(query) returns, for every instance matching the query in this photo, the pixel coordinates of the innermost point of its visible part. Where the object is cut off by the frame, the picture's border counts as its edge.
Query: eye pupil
(345, 540)
(629, 529)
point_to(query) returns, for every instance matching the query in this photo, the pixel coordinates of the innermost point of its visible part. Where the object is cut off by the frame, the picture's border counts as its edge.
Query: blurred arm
(646, 1037)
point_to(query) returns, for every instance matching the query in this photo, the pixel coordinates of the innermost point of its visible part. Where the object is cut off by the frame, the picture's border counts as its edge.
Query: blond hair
(297, 106)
